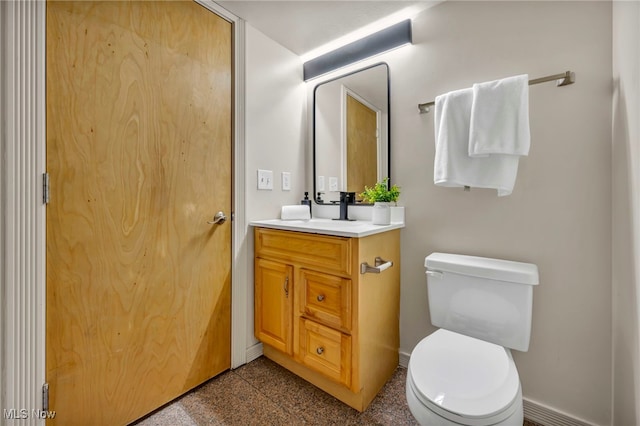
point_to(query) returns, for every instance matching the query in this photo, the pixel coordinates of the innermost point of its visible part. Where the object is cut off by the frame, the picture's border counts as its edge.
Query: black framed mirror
(351, 133)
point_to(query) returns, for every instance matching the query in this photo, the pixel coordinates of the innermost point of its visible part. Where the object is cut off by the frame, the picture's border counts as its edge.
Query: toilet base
(426, 417)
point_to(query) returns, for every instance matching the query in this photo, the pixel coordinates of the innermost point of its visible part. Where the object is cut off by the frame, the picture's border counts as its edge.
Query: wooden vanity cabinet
(320, 317)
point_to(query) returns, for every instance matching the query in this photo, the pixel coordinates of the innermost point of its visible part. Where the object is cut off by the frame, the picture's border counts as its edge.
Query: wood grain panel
(324, 253)
(378, 326)
(273, 304)
(139, 154)
(326, 298)
(326, 351)
(362, 146)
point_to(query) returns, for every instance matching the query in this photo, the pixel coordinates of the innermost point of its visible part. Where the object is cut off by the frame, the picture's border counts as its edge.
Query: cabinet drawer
(326, 351)
(326, 298)
(318, 251)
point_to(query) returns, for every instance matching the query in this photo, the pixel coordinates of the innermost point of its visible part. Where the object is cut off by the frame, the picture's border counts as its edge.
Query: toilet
(464, 373)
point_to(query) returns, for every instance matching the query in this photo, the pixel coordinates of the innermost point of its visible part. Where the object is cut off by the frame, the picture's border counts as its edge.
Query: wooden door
(274, 304)
(139, 157)
(362, 146)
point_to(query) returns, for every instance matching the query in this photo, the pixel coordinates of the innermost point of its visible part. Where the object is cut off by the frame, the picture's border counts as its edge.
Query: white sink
(323, 223)
(342, 228)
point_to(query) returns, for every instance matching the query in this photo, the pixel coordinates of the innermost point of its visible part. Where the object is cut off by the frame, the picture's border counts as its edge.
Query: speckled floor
(263, 393)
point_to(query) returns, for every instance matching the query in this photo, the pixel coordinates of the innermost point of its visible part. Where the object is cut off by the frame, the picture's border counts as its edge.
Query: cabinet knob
(320, 350)
(320, 297)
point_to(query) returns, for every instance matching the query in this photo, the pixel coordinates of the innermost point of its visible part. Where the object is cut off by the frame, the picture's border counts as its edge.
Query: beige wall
(559, 216)
(275, 134)
(626, 213)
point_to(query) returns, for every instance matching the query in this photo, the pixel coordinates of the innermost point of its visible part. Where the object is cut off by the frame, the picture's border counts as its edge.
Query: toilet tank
(490, 299)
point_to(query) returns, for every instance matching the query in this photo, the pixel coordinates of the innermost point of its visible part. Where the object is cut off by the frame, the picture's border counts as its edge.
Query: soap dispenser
(306, 201)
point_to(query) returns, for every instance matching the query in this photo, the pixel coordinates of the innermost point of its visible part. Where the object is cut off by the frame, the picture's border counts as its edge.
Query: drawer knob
(320, 350)
(320, 297)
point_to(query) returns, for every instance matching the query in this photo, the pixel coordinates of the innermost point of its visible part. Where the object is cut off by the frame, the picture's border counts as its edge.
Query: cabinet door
(273, 304)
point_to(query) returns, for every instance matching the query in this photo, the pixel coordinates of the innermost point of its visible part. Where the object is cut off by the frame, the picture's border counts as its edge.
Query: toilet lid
(463, 375)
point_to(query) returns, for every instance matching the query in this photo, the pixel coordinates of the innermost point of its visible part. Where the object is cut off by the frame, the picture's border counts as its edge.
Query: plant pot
(381, 213)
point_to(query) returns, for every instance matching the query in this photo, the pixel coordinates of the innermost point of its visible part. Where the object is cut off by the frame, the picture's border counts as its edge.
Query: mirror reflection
(351, 133)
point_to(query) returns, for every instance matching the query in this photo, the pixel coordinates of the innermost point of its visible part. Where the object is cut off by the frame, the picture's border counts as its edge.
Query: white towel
(453, 167)
(500, 117)
(295, 212)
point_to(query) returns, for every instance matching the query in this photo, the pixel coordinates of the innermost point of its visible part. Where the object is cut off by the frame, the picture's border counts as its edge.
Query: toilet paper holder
(380, 265)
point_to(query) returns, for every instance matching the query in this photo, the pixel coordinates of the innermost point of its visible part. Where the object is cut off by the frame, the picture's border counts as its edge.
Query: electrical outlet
(265, 179)
(333, 184)
(286, 181)
(320, 183)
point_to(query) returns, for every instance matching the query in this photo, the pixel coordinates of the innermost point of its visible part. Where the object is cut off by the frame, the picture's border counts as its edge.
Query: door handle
(218, 219)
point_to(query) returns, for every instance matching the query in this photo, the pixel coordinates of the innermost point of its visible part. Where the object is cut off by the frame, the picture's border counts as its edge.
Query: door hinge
(45, 397)
(45, 188)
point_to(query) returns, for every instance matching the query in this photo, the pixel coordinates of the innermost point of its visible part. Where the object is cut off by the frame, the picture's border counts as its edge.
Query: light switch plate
(320, 183)
(333, 184)
(286, 181)
(265, 179)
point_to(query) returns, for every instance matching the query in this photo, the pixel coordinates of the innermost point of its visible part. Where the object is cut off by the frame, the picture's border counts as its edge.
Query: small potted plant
(381, 195)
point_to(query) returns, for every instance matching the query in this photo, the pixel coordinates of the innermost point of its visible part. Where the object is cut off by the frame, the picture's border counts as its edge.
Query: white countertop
(339, 228)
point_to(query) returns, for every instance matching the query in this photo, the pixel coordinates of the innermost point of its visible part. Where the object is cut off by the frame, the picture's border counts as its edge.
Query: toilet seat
(464, 379)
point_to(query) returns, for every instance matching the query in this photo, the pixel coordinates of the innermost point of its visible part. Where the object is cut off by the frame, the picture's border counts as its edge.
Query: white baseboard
(548, 416)
(404, 359)
(254, 352)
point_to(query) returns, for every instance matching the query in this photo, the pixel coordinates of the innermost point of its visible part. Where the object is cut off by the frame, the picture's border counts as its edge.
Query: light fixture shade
(387, 39)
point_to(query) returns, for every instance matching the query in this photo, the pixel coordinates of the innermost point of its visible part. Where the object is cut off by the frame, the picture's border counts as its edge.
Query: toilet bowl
(464, 373)
(454, 379)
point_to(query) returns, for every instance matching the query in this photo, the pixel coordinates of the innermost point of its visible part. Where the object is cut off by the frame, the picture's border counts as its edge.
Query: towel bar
(381, 265)
(563, 79)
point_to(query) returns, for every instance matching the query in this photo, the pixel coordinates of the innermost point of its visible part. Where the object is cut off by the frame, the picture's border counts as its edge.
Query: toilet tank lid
(483, 267)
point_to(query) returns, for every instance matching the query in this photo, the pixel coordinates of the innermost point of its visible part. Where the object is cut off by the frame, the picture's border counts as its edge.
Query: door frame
(344, 92)
(240, 266)
(22, 228)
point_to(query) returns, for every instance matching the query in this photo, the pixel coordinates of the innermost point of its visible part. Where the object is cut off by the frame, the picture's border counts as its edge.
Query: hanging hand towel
(453, 167)
(500, 117)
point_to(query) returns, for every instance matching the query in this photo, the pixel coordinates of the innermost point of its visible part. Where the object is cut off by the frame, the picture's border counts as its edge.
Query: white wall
(276, 123)
(626, 213)
(275, 134)
(559, 215)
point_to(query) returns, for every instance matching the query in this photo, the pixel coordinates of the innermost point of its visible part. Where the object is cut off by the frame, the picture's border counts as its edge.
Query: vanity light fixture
(389, 38)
